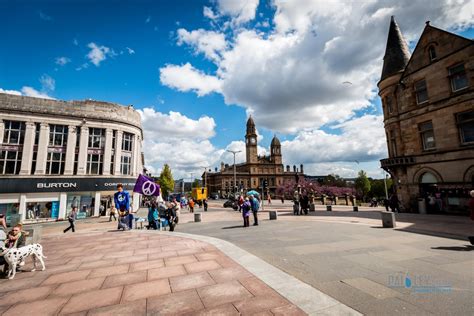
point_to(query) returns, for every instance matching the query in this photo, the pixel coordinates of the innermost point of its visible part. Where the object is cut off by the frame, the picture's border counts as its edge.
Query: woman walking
(246, 209)
(71, 218)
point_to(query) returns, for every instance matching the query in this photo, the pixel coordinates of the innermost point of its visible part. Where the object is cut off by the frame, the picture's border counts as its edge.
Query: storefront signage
(66, 184)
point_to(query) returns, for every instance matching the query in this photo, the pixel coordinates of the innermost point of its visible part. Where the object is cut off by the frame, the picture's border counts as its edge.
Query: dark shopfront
(39, 199)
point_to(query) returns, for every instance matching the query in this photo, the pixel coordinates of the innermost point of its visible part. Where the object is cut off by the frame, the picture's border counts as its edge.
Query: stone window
(10, 161)
(94, 163)
(114, 138)
(427, 135)
(125, 165)
(96, 138)
(55, 163)
(465, 121)
(58, 135)
(14, 133)
(458, 78)
(127, 142)
(393, 143)
(432, 53)
(421, 92)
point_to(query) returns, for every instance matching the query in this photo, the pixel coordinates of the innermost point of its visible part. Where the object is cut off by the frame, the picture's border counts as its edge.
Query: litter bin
(421, 206)
(197, 217)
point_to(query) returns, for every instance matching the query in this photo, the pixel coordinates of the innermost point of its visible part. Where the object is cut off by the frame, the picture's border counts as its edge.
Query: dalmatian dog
(14, 256)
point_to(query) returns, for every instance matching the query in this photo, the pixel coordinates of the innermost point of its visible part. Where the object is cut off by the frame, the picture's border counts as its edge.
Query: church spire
(396, 53)
(251, 130)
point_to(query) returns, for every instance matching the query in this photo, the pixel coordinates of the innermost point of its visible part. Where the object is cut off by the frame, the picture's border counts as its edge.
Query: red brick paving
(133, 273)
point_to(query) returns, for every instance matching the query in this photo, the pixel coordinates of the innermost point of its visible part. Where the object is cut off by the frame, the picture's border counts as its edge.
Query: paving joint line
(304, 296)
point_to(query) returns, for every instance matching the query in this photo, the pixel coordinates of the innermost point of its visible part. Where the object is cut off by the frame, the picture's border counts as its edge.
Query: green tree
(166, 181)
(377, 187)
(362, 184)
(195, 183)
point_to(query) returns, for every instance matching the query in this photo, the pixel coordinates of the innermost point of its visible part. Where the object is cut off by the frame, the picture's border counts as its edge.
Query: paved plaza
(326, 263)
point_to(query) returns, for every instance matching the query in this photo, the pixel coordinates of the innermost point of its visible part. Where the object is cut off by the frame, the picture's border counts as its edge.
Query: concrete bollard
(273, 215)
(388, 219)
(197, 217)
(355, 208)
(312, 207)
(329, 208)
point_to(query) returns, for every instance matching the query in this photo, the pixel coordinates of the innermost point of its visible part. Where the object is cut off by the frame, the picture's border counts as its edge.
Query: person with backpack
(255, 205)
(122, 204)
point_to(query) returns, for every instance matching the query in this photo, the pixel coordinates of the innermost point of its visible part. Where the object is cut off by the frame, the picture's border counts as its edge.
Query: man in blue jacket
(122, 204)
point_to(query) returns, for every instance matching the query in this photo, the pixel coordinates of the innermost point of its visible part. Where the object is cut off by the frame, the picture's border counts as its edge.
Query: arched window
(428, 177)
(432, 53)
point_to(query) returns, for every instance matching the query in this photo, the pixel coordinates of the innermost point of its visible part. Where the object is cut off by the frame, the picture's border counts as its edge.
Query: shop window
(465, 123)
(55, 163)
(10, 161)
(427, 135)
(127, 142)
(458, 77)
(58, 135)
(76, 161)
(11, 212)
(14, 133)
(94, 163)
(125, 165)
(421, 92)
(96, 138)
(39, 210)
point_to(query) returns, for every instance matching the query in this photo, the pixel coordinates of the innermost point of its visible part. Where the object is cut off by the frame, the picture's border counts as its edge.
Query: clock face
(253, 141)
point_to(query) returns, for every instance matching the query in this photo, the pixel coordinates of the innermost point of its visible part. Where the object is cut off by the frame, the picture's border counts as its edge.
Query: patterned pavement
(139, 273)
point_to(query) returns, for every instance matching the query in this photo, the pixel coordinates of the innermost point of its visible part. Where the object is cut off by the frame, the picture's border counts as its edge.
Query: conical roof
(275, 141)
(251, 126)
(396, 53)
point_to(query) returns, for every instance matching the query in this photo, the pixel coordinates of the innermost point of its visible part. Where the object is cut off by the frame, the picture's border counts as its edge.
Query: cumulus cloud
(98, 54)
(130, 51)
(61, 61)
(209, 13)
(187, 78)
(43, 16)
(210, 43)
(238, 11)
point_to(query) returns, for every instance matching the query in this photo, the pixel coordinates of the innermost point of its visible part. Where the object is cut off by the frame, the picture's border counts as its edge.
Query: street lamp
(385, 182)
(235, 177)
(205, 177)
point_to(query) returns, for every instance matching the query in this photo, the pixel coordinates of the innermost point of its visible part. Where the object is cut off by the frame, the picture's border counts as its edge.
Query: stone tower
(251, 141)
(275, 149)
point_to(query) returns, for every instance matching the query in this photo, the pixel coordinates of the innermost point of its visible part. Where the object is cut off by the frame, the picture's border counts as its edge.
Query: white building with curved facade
(58, 154)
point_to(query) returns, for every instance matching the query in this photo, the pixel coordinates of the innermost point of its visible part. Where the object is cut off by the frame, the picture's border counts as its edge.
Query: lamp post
(385, 183)
(235, 177)
(205, 177)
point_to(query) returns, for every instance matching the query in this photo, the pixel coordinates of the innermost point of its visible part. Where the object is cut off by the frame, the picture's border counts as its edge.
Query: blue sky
(269, 59)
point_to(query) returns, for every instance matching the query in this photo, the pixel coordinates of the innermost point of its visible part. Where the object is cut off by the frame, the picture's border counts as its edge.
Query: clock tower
(251, 141)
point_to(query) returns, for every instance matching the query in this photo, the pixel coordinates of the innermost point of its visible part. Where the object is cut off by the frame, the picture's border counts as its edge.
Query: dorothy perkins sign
(31, 185)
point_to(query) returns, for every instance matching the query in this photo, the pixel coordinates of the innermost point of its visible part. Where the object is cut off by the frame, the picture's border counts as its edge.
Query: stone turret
(396, 53)
(275, 150)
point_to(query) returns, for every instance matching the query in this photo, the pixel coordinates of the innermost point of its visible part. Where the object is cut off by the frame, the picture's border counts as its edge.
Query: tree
(377, 187)
(196, 183)
(362, 184)
(166, 181)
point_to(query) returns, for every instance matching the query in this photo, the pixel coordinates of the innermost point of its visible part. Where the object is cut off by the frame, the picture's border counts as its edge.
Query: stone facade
(52, 140)
(428, 110)
(249, 175)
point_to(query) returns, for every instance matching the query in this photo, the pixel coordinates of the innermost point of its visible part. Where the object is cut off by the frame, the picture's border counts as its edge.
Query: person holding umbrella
(255, 205)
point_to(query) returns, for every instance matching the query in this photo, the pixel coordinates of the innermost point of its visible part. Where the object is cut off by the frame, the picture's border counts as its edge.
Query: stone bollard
(273, 215)
(197, 217)
(329, 208)
(388, 219)
(355, 208)
(312, 207)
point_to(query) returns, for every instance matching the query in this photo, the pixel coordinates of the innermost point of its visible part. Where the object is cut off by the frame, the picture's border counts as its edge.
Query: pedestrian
(15, 239)
(386, 203)
(240, 202)
(304, 202)
(246, 208)
(72, 219)
(3, 228)
(122, 203)
(471, 208)
(204, 202)
(171, 217)
(191, 205)
(176, 209)
(153, 217)
(112, 213)
(282, 199)
(394, 203)
(269, 199)
(255, 205)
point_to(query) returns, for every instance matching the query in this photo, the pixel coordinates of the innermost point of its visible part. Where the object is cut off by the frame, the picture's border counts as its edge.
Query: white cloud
(187, 78)
(130, 51)
(175, 125)
(31, 92)
(62, 61)
(75, 42)
(148, 19)
(98, 54)
(47, 83)
(14, 92)
(238, 11)
(210, 43)
(209, 13)
(43, 16)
